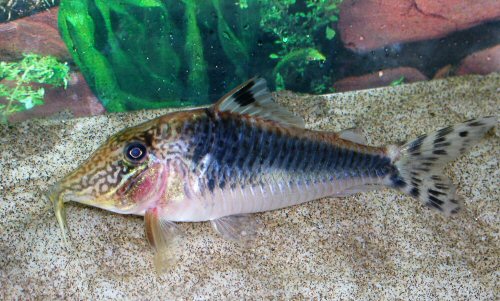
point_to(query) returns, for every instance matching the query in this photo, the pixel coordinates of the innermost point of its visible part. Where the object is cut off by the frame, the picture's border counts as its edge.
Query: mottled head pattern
(113, 172)
(131, 167)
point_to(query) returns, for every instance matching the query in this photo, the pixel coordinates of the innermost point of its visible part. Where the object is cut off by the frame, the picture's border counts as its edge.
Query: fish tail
(420, 163)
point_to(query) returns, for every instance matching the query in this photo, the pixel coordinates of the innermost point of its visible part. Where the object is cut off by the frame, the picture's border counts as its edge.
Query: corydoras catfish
(247, 154)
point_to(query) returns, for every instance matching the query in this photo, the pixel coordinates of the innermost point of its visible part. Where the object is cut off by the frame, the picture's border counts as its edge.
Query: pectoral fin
(164, 236)
(239, 228)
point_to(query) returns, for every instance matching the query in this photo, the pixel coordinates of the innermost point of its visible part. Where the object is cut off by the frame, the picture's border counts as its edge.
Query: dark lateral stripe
(331, 157)
(301, 154)
(231, 141)
(243, 145)
(253, 156)
(312, 150)
(253, 153)
(202, 139)
(347, 159)
(273, 148)
(287, 160)
(322, 158)
(241, 152)
(267, 148)
(283, 153)
(220, 135)
(361, 160)
(305, 154)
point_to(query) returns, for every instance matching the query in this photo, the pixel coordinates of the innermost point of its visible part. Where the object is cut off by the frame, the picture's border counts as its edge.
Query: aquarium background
(86, 57)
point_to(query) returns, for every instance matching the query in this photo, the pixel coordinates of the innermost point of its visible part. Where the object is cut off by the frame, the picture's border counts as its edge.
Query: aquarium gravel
(378, 245)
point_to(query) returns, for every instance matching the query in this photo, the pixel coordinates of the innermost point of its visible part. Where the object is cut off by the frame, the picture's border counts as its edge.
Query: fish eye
(135, 152)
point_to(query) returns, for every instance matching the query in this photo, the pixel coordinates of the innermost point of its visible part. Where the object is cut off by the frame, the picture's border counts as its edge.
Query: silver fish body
(231, 165)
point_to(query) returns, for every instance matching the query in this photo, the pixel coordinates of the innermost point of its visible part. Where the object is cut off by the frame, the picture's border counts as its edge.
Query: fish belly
(275, 192)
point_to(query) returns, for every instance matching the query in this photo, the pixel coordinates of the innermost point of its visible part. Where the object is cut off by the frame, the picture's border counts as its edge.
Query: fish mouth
(123, 200)
(55, 195)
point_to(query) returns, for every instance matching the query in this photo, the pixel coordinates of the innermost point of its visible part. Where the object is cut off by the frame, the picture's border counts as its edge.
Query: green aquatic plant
(123, 58)
(298, 27)
(235, 50)
(197, 77)
(297, 59)
(397, 82)
(19, 95)
(138, 54)
(296, 23)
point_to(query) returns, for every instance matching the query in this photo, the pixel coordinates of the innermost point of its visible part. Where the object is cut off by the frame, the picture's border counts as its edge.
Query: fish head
(123, 175)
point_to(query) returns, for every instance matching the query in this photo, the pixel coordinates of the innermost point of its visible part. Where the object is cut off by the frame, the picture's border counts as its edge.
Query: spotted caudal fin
(420, 163)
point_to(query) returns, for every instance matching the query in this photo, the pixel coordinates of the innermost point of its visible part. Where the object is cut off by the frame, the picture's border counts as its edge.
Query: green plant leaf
(144, 3)
(333, 18)
(32, 68)
(274, 56)
(397, 82)
(280, 82)
(330, 33)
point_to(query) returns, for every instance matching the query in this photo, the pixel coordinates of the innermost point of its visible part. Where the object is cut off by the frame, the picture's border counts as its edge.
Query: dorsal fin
(252, 98)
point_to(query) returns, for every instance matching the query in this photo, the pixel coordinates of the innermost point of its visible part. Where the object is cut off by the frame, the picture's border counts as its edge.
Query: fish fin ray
(55, 197)
(420, 163)
(242, 228)
(164, 237)
(353, 134)
(252, 98)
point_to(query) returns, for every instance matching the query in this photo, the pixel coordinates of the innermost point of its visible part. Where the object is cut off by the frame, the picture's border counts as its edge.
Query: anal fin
(357, 189)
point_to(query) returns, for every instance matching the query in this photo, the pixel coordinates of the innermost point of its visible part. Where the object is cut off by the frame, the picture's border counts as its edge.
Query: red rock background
(77, 100)
(37, 33)
(481, 62)
(370, 24)
(364, 26)
(379, 79)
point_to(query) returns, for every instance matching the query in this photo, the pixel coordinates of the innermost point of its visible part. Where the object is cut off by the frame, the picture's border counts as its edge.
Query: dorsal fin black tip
(252, 98)
(235, 93)
(244, 96)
